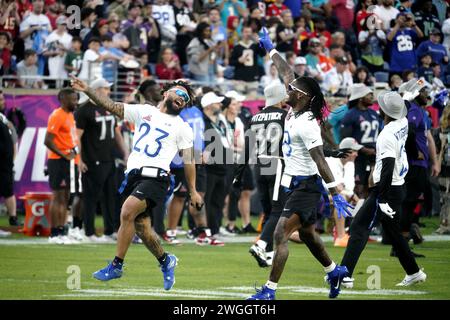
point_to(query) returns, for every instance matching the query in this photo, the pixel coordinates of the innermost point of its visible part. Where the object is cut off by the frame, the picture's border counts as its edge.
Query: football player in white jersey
(385, 198)
(304, 160)
(160, 134)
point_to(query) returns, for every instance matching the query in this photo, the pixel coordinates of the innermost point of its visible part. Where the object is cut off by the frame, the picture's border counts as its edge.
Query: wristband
(332, 185)
(272, 52)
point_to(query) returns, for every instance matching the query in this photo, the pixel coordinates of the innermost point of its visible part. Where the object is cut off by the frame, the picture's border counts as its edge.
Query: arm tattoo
(116, 108)
(283, 68)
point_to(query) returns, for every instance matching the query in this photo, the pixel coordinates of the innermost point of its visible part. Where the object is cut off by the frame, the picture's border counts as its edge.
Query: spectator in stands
(233, 34)
(339, 79)
(52, 12)
(74, 57)
(403, 38)
(272, 76)
(338, 39)
(276, 8)
(91, 67)
(446, 31)
(425, 71)
(88, 18)
(99, 30)
(426, 17)
(9, 18)
(434, 47)
(28, 67)
(219, 35)
(133, 27)
(8, 141)
(438, 77)
(185, 23)
(362, 75)
(362, 14)
(386, 13)
(164, 14)
(120, 40)
(232, 8)
(5, 53)
(168, 67)
(408, 75)
(319, 7)
(286, 33)
(245, 60)
(201, 53)
(110, 65)
(405, 6)
(395, 81)
(372, 42)
(119, 8)
(34, 29)
(318, 64)
(320, 30)
(300, 67)
(57, 44)
(344, 11)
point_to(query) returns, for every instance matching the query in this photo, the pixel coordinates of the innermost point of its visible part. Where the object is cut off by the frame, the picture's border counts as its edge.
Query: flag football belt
(147, 172)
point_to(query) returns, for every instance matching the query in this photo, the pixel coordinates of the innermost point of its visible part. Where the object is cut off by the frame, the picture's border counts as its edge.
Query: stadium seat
(381, 76)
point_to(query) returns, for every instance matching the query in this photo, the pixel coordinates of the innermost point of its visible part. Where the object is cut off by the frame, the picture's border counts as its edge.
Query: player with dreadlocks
(304, 160)
(160, 134)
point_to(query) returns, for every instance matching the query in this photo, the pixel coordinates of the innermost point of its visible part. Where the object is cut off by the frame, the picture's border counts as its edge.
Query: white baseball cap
(210, 98)
(359, 90)
(300, 60)
(100, 83)
(392, 104)
(235, 95)
(350, 143)
(275, 93)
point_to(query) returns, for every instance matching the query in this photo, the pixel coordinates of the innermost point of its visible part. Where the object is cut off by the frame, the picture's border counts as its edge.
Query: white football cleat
(347, 282)
(412, 279)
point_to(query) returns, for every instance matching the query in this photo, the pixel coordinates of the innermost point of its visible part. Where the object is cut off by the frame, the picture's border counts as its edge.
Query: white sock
(270, 254)
(171, 233)
(262, 244)
(271, 285)
(330, 267)
(208, 232)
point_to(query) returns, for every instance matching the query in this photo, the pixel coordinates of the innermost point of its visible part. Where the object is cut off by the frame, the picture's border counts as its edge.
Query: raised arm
(283, 68)
(116, 108)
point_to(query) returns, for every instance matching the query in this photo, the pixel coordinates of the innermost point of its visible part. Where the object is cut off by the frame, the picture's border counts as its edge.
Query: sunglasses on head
(294, 88)
(182, 94)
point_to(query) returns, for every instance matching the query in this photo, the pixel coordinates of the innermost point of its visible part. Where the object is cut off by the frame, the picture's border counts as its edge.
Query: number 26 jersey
(158, 136)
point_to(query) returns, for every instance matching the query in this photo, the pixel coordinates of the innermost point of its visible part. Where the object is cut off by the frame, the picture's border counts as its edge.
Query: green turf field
(39, 271)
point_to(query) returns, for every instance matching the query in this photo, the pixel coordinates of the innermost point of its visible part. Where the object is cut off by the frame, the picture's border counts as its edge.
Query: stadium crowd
(350, 48)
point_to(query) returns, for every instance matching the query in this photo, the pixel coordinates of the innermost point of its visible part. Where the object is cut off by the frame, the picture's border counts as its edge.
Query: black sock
(54, 232)
(162, 259)
(77, 222)
(117, 261)
(61, 230)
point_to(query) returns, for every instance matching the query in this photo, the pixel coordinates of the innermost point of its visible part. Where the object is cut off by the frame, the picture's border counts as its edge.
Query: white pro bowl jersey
(157, 138)
(391, 144)
(301, 134)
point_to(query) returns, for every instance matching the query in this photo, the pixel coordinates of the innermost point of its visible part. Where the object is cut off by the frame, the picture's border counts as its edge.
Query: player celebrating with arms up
(160, 134)
(304, 159)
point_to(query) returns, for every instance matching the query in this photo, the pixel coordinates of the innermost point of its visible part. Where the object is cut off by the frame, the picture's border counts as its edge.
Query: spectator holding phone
(169, 66)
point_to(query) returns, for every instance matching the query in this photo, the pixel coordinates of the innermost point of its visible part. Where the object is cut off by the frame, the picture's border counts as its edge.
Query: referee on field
(97, 132)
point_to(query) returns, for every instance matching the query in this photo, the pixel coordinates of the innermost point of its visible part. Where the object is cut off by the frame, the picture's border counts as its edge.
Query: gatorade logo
(37, 208)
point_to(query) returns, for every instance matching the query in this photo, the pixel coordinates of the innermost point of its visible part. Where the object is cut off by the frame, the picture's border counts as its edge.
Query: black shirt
(97, 141)
(6, 148)
(249, 70)
(215, 140)
(285, 46)
(268, 129)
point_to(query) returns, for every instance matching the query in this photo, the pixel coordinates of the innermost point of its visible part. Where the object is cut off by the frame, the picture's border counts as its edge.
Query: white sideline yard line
(244, 239)
(237, 292)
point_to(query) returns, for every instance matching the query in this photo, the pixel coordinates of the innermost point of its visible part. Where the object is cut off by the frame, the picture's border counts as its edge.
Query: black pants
(365, 218)
(99, 184)
(272, 209)
(214, 199)
(417, 182)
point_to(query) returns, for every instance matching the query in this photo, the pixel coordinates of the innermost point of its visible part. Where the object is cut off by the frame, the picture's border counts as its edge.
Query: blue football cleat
(168, 270)
(109, 272)
(263, 294)
(335, 278)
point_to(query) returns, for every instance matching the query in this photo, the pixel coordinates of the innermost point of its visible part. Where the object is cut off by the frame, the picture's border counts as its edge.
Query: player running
(304, 159)
(385, 198)
(159, 135)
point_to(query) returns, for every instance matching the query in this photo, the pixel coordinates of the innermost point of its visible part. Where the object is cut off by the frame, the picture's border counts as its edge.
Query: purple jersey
(417, 118)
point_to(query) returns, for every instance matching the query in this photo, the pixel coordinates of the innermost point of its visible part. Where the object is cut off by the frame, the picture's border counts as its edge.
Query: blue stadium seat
(381, 76)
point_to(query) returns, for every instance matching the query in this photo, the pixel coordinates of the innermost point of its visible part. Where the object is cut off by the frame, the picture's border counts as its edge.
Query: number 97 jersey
(157, 138)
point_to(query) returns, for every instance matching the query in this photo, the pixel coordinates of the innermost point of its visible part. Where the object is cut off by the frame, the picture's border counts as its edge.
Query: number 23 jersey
(157, 138)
